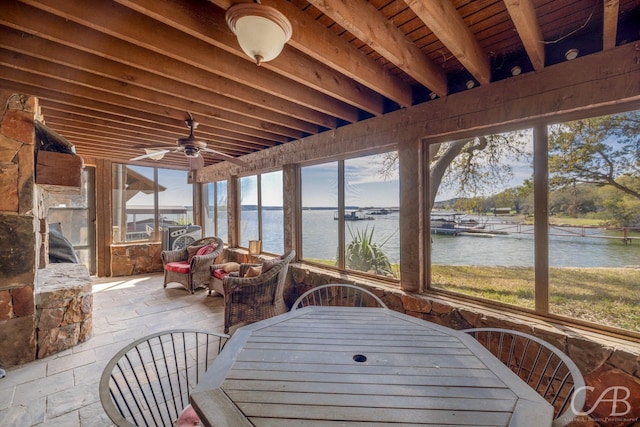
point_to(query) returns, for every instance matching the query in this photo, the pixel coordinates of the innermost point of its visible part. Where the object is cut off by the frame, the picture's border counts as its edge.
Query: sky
(364, 185)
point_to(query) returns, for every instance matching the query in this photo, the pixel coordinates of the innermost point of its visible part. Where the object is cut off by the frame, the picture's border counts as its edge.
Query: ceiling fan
(192, 148)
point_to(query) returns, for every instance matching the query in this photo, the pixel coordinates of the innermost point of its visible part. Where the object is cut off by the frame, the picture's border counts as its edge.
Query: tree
(604, 151)
(470, 166)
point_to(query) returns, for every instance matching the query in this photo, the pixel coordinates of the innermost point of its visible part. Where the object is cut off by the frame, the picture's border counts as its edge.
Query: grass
(606, 296)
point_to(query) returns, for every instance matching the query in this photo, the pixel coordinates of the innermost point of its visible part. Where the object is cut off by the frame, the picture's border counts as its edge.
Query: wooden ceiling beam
(365, 22)
(124, 24)
(144, 60)
(147, 139)
(446, 23)
(523, 15)
(62, 79)
(15, 80)
(235, 141)
(207, 23)
(610, 24)
(320, 43)
(127, 77)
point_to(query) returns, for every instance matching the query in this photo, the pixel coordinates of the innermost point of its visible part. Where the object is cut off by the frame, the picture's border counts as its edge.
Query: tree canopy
(604, 151)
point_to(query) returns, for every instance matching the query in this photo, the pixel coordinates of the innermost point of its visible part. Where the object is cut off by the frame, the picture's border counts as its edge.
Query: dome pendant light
(261, 30)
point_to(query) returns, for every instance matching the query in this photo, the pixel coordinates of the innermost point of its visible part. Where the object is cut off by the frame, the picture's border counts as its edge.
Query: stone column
(19, 228)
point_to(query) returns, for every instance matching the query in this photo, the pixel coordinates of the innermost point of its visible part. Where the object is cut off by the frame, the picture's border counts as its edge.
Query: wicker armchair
(194, 273)
(249, 299)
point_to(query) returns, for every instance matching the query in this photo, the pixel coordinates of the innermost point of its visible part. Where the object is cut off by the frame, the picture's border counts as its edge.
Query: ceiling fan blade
(223, 156)
(151, 153)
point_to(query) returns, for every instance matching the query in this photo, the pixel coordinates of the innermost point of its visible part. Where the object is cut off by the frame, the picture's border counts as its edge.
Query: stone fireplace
(44, 308)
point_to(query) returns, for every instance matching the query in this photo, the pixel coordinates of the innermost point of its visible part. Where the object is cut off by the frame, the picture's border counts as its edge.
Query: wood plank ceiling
(115, 76)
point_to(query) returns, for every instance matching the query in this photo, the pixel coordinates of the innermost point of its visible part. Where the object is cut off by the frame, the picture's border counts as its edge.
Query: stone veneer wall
(604, 361)
(20, 223)
(135, 258)
(37, 317)
(64, 307)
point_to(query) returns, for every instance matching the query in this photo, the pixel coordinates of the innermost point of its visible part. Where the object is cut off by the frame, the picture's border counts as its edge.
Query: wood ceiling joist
(610, 23)
(443, 19)
(129, 26)
(127, 79)
(96, 88)
(146, 61)
(233, 141)
(207, 22)
(147, 139)
(524, 18)
(365, 22)
(124, 116)
(317, 41)
(35, 88)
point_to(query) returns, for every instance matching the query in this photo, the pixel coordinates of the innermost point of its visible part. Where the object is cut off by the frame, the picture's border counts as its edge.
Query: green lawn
(606, 296)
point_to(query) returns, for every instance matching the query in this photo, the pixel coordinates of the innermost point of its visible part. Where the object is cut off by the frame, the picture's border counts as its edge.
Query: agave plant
(364, 254)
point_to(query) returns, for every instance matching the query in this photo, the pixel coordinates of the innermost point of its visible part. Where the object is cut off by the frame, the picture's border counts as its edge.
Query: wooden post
(541, 217)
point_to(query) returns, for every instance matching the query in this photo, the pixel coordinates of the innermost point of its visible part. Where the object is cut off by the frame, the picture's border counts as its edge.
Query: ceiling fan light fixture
(262, 31)
(191, 151)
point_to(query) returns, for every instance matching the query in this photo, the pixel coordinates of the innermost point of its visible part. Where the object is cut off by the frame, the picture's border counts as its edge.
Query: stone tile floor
(62, 390)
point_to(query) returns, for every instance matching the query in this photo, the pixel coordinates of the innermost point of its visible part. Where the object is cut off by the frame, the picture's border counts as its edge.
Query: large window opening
(215, 202)
(351, 215)
(481, 220)
(261, 207)
(484, 240)
(594, 221)
(148, 200)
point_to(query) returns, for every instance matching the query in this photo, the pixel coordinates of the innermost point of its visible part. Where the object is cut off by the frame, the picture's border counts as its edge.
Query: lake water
(567, 248)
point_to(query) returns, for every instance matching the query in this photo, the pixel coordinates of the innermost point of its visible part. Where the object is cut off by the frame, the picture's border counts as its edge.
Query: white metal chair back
(148, 382)
(338, 294)
(543, 366)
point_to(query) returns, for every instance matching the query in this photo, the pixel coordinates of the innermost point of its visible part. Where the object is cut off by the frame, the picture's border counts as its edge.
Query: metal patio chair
(541, 365)
(148, 382)
(338, 294)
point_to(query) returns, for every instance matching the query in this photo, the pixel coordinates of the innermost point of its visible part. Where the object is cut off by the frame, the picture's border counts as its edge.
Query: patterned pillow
(192, 251)
(253, 271)
(230, 267)
(267, 264)
(206, 249)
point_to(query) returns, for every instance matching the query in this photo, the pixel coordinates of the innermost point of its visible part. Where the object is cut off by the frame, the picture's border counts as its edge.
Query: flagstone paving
(62, 390)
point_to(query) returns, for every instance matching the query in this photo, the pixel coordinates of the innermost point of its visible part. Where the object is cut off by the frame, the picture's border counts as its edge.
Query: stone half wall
(64, 307)
(603, 361)
(135, 258)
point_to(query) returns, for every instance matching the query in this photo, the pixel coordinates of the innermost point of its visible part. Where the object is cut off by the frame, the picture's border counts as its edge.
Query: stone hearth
(64, 303)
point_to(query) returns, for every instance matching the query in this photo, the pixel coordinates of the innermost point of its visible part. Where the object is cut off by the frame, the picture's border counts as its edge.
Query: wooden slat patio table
(343, 366)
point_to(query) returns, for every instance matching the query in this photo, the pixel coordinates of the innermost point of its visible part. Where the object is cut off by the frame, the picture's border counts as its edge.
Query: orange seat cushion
(178, 267)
